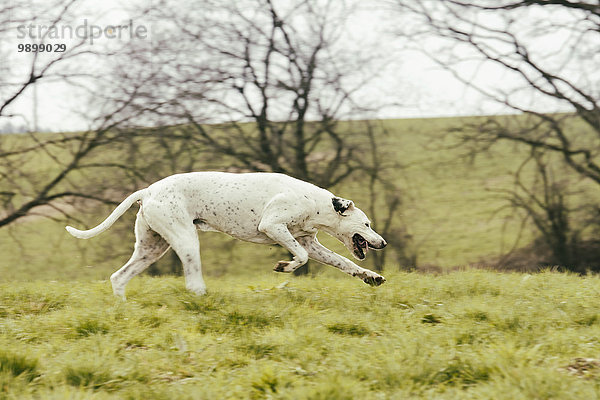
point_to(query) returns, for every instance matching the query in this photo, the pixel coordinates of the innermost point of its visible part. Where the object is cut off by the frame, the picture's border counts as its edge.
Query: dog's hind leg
(185, 244)
(149, 247)
(180, 232)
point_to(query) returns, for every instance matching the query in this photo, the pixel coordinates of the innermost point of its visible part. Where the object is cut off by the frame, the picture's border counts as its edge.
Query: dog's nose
(383, 243)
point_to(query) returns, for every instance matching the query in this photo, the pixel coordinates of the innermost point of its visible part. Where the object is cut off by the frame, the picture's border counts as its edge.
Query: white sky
(415, 83)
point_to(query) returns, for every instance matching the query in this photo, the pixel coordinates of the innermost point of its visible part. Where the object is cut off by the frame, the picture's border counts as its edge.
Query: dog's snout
(378, 245)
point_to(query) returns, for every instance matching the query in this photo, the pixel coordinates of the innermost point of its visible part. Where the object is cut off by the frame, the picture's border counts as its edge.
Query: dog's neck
(324, 217)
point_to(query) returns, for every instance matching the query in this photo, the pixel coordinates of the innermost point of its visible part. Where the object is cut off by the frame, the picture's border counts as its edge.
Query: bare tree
(514, 35)
(547, 52)
(273, 73)
(542, 195)
(18, 195)
(46, 174)
(24, 30)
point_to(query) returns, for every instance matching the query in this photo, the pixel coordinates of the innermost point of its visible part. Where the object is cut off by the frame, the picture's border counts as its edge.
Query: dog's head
(353, 228)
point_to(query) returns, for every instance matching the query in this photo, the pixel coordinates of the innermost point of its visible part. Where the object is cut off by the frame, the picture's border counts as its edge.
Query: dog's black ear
(341, 205)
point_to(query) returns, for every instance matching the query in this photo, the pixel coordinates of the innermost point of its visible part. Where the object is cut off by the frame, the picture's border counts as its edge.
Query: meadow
(459, 334)
(463, 335)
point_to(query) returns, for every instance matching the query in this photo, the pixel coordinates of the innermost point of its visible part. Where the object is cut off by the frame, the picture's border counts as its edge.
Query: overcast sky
(419, 87)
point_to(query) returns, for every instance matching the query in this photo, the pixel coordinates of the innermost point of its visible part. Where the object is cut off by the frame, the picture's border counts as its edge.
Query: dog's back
(228, 202)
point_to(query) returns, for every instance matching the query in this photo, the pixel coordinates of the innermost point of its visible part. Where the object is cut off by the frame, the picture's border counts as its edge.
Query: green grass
(463, 335)
(18, 366)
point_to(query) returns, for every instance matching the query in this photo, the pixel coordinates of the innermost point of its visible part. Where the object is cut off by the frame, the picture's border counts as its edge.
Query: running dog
(264, 208)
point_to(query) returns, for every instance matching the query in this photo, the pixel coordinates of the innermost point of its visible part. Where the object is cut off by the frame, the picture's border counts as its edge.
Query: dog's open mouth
(360, 246)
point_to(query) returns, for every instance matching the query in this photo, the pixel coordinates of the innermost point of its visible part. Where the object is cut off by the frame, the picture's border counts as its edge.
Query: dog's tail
(107, 223)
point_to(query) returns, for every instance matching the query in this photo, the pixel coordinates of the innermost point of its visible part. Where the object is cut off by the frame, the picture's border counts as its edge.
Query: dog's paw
(197, 290)
(375, 280)
(120, 297)
(282, 266)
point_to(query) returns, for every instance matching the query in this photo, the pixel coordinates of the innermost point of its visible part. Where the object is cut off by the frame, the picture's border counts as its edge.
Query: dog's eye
(367, 224)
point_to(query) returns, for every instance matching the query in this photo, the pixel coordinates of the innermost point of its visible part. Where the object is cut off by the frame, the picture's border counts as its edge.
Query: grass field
(464, 335)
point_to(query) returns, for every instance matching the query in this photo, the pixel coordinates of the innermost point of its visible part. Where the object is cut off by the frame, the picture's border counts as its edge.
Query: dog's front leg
(322, 254)
(281, 210)
(281, 235)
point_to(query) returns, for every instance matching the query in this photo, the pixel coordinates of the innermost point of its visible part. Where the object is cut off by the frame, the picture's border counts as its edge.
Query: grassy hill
(464, 335)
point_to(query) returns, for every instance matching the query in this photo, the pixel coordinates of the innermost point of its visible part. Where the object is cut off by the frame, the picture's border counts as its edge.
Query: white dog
(256, 207)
